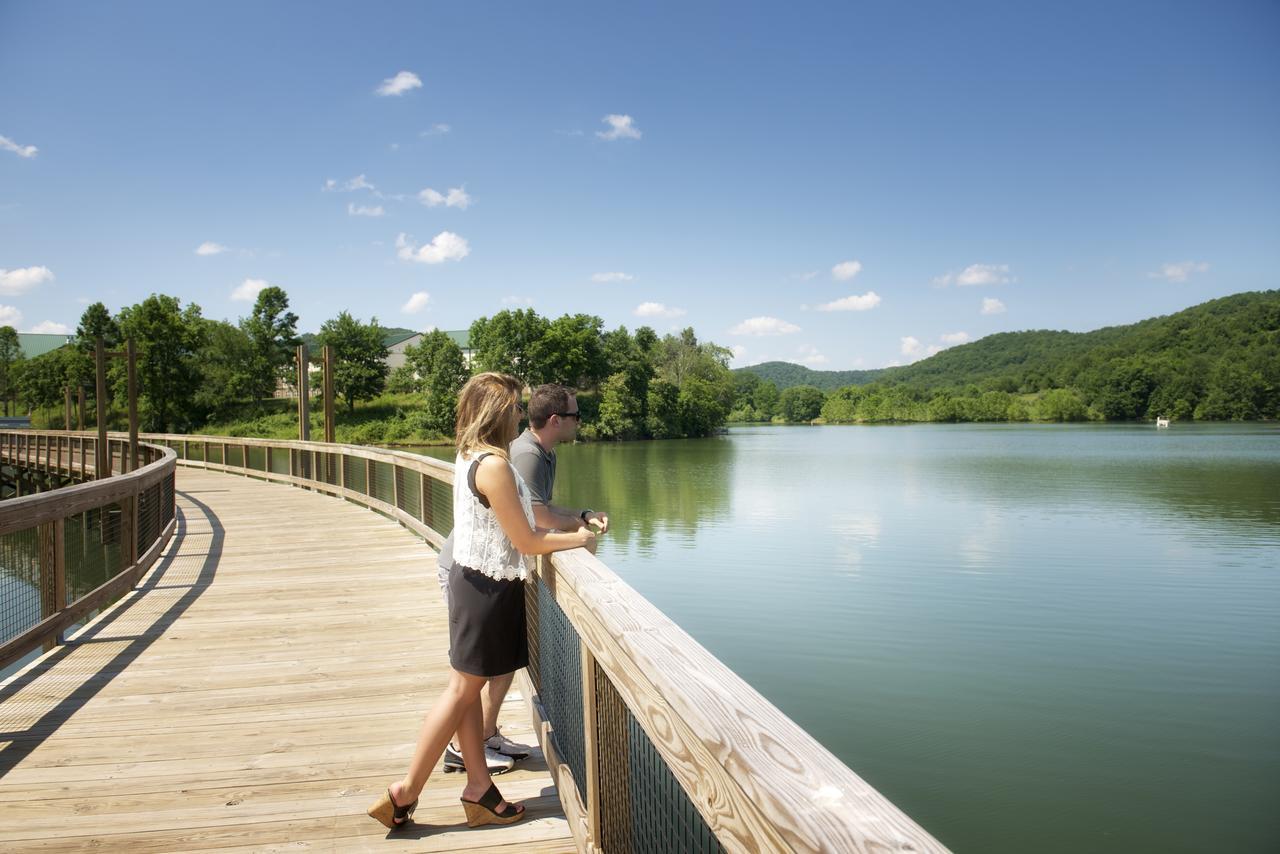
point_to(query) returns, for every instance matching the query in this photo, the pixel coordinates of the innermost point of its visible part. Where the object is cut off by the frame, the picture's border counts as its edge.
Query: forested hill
(1240, 332)
(788, 374)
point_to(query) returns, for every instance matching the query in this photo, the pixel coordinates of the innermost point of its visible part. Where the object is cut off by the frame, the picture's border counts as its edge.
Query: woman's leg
(471, 741)
(462, 693)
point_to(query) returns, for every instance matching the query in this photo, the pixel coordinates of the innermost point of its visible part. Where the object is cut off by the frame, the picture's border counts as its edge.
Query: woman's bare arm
(496, 483)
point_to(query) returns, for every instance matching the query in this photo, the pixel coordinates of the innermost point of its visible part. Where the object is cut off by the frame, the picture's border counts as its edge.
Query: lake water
(1032, 638)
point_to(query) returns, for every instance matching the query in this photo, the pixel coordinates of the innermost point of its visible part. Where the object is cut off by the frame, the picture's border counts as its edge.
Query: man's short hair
(547, 400)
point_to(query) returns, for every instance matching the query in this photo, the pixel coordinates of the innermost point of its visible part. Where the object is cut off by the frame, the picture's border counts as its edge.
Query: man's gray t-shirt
(536, 465)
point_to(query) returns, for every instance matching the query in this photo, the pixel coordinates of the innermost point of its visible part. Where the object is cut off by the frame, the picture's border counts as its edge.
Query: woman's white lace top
(478, 540)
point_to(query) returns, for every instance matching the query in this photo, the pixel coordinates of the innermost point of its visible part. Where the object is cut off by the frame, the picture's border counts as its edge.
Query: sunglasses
(577, 415)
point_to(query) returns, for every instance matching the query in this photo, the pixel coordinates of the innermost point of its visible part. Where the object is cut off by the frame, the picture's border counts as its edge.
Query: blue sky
(845, 185)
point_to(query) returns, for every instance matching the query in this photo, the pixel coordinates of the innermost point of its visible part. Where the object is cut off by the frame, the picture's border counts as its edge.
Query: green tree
(10, 353)
(359, 357)
(765, 399)
(570, 351)
(168, 339)
(801, 403)
(1060, 404)
(273, 331)
(621, 414)
(438, 363)
(226, 360)
(841, 406)
(510, 342)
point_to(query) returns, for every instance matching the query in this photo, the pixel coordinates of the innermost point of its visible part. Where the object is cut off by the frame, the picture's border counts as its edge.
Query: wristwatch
(584, 514)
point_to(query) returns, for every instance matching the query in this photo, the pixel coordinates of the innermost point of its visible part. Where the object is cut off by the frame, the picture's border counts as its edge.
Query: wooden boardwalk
(260, 688)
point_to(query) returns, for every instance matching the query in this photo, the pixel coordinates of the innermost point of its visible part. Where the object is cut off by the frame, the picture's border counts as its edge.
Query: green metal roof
(34, 344)
(461, 337)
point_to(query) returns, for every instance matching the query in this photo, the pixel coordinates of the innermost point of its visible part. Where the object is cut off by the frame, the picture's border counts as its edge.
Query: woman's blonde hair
(484, 414)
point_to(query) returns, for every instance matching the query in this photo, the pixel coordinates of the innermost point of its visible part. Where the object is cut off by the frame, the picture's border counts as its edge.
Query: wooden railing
(654, 743)
(112, 529)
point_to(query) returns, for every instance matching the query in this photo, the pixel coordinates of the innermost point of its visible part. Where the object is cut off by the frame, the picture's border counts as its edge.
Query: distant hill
(1237, 330)
(788, 374)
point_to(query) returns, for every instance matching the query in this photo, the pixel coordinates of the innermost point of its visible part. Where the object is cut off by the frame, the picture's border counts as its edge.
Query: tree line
(194, 372)
(1216, 361)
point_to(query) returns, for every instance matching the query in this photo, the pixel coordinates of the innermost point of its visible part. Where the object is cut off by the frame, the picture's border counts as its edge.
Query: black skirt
(486, 623)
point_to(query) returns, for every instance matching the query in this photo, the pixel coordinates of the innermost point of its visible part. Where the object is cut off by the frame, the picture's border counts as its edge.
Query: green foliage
(510, 342)
(621, 414)
(784, 375)
(570, 352)
(801, 403)
(228, 359)
(359, 357)
(168, 339)
(273, 332)
(10, 355)
(437, 363)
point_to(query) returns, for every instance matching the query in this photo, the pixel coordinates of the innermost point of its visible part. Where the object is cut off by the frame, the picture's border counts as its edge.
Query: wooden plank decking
(257, 692)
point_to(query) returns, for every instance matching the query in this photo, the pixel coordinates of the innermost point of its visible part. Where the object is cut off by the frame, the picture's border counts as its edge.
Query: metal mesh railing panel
(235, 455)
(409, 488)
(612, 760)
(380, 481)
(437, 506)
(256, 458)
(93, 549)
(532, 595)
(19, 582)
(354, 474)
(195, 450)
(280, 460)
(663, 819)
(328, 468)
(560, 666)
(150, 517)
(215, 454)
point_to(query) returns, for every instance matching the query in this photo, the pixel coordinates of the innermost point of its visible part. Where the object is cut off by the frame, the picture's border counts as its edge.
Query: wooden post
(103, 460)
(80, 407)
(329, 431)
(425, 507)
(589, 743)
(66, 410)
(304, 395)
(131, 354)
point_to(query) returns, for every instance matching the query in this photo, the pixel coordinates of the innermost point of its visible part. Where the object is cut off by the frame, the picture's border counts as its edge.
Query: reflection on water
(1031, 637)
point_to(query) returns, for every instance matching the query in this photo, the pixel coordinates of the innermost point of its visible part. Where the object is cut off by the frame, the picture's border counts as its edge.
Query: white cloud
(20, 150)
(910, 346)
(656, 309)
(23, 279)
(357, 183)
(846, 270)
(416, 303)
(1179, 271)
(620, 127)
(364, 210)
(210, 248)
(455, 198)
(984, 274)
(49, 327)
(955, 338)
(764, 326)
(248, 290)
(401, 83)
(934, 349)
(738, 351)
(811, 356)
(445, 246)
(9, 315)
(866, 302)
(611, 277)
(436, 130)
(514, 300)
(991, 305)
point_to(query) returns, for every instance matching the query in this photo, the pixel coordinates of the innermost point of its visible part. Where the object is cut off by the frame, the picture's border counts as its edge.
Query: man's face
(569, 423)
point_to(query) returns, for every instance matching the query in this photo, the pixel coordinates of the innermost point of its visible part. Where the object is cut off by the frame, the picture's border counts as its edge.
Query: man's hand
(598, 519)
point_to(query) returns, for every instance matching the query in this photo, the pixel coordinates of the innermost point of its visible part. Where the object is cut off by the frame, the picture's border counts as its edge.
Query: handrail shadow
(26, 740)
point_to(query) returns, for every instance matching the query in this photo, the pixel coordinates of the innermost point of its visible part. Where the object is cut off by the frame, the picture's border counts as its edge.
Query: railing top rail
(18, 514)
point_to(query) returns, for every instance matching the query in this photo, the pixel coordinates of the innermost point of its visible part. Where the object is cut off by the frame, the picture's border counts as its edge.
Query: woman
(493, 527)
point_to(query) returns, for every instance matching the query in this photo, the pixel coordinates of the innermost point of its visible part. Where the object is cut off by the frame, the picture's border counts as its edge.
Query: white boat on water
(1162, 422)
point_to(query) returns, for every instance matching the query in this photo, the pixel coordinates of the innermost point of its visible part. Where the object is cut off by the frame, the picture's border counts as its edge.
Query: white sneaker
(498, 764)
(506, 746)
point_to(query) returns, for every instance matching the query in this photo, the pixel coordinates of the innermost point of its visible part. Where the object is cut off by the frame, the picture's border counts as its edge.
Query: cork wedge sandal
(485, 810)
(387, 811)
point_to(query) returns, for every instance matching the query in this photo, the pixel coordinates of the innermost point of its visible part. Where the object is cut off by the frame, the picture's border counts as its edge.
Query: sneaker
(498, 764)
(506, 746)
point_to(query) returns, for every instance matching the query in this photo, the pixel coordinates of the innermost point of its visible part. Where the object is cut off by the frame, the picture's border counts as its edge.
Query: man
(553, 418)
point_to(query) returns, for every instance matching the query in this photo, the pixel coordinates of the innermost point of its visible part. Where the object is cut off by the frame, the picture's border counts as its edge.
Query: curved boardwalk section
(256, 692)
